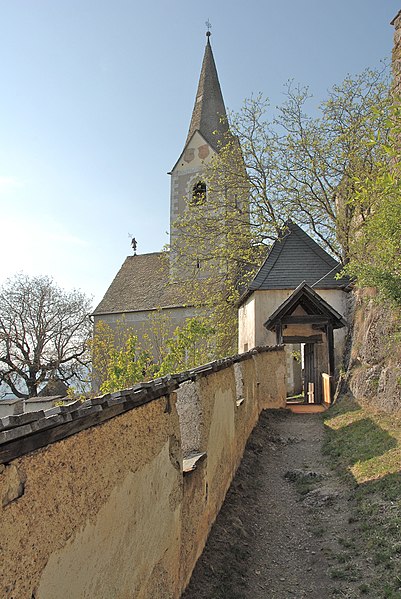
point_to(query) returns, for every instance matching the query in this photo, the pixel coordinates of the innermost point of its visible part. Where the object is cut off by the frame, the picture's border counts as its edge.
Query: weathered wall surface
(246, 325)
(375, 357)
(229, 412)
(107, 512)
(96, 518)
(271, 388)
(396, 57)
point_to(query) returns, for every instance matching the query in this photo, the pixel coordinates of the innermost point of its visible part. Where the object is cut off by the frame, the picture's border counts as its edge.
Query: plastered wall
(100, 512)
(256, 310)
(108, 512)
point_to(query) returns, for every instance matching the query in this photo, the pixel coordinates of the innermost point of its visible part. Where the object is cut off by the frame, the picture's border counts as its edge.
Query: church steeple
(188, 184)
(209, 113)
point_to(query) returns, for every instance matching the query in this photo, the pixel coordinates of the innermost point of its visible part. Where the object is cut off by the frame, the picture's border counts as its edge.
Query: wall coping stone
(22, 433)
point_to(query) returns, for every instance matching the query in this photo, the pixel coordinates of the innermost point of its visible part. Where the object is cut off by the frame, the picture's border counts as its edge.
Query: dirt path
(282, 526)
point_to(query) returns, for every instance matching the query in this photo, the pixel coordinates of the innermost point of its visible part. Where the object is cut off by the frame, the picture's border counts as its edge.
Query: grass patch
(365, 448)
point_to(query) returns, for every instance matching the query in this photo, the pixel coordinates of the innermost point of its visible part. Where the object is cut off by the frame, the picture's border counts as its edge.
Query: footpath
(285, 522)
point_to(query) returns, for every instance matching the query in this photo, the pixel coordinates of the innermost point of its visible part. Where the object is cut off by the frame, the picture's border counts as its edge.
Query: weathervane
(133, 243)
(209, 26)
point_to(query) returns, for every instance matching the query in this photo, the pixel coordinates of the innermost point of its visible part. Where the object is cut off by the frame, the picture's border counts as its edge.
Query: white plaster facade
(187, 172)
(259, 306)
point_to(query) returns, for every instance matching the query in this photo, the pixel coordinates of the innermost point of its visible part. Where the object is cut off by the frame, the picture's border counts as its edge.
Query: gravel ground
(280, 532)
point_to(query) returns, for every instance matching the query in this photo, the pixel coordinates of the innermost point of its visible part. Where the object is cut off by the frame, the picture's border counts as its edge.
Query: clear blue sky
(96, 99)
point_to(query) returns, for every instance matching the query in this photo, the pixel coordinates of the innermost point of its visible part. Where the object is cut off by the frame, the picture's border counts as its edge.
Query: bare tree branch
(43, 333)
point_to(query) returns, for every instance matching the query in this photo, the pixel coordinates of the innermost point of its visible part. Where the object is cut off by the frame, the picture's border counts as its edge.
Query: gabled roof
(185, 147)
(295, 258)
(209, 106)
(141, 284)
(311, 302)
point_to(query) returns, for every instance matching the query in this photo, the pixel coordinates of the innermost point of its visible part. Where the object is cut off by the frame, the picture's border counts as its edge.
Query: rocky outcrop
(374, 372)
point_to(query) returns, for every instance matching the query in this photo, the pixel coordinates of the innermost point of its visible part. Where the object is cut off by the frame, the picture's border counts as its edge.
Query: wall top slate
(23, 433)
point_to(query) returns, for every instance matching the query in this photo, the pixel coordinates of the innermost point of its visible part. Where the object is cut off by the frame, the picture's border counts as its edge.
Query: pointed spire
(209, 104)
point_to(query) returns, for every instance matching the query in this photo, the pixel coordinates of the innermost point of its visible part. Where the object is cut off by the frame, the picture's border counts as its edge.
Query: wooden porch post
(330, 347)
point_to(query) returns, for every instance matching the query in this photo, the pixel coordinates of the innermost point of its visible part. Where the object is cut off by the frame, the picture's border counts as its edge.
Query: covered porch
(304, 323)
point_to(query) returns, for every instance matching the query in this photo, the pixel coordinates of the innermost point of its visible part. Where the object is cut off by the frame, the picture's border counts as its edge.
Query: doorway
(309, 373)
(303, 380)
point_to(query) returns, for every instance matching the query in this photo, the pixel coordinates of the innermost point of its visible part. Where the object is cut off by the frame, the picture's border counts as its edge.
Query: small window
(199, 193)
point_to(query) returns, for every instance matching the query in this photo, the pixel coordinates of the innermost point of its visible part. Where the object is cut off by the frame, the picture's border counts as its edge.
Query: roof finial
(208, 32)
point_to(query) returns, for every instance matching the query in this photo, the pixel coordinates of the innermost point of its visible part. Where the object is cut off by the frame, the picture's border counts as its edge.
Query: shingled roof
(141, 284)
(295, 258)
(209, 109)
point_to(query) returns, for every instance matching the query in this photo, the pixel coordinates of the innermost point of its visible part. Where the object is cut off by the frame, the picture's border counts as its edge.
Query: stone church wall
(96, 500)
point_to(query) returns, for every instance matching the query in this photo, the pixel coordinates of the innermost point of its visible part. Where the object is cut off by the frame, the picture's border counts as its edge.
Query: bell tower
(207, 129)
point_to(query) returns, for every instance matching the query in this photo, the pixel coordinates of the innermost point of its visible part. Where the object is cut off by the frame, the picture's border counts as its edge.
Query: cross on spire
(209, 26)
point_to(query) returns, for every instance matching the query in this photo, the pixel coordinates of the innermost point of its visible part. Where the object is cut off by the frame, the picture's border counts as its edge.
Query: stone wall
(374, 369)
(96, 499)
(396, 57)
(375, 353)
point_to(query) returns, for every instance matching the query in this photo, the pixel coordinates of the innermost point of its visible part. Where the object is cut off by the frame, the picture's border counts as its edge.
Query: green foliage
(117, 360)
(375, 252)
(190, 346)
(127, 365)
(297, 355)
(75, 394)
(120, 360)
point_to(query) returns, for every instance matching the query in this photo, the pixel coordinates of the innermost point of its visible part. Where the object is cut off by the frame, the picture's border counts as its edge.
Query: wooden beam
(305, 319)
(300, 339)
(279, 333)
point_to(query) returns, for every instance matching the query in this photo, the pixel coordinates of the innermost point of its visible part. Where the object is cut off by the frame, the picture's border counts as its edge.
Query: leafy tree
(43, 334)
(270, 169)
(127, 366)
(375, 251)
(190, 346)
(120, 360)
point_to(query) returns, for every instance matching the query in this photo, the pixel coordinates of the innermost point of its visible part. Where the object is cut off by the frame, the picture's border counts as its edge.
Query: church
(148, 283)
(296, 298)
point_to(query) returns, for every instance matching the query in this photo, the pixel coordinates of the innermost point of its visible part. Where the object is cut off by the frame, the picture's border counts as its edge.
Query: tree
(120, 360)
(270, 169)
(375, 250)
(303, 167)
(319, 158)
(43, 334)
(190, 346)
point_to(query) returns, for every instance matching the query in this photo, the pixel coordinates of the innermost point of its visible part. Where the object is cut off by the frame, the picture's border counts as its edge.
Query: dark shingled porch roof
(295, 258)
(141, 284)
